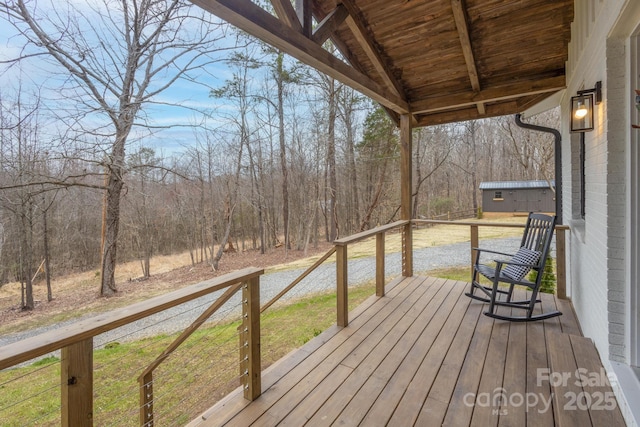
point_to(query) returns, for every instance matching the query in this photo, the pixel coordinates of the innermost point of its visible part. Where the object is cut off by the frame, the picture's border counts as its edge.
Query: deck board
(419, 356)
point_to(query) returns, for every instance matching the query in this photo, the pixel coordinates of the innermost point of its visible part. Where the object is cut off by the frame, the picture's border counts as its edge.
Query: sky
(190, 96)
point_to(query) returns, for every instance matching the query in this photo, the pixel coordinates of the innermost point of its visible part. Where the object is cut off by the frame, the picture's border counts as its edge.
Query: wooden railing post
(407, 250)
(561, 265)
(475, 242)
(380, 264)
(342, 286)
(251, 319)
(77, 384)
(146, 400)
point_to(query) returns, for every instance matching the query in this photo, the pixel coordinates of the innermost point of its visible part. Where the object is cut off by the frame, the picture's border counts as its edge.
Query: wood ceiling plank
(329, 24)
(256, 21)
(364, 38)
(489, 95)
(287, 14)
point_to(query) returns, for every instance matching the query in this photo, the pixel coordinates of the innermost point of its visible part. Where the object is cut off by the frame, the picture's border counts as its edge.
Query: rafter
(346, 53)
(462, 25)
(364, 38)
(303, 8)
(468, 114)
(287, 14)
(329, 24)
(490, 95)
(249, 17)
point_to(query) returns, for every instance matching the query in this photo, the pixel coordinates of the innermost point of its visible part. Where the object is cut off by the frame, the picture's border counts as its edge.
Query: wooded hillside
(281, 156)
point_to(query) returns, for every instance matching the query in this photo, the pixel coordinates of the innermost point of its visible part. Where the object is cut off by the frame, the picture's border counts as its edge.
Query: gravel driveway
(322, 279)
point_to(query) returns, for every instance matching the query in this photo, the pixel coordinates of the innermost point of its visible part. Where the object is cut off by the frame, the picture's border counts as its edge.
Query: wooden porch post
(77, 384)
(561, 254)
(251, 308)
(342, 286)
(475, 242)
(380, 264)
(406, 187)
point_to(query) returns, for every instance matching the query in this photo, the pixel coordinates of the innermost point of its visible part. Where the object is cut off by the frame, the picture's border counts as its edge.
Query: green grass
(203, 369)
(454, 273)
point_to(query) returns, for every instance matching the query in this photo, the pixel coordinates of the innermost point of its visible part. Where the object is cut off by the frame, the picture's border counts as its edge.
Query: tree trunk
(474, 165)
(331, 155)
(112, 218)
(47, 269)
(283, 153)
(27, 255)
(418, 180)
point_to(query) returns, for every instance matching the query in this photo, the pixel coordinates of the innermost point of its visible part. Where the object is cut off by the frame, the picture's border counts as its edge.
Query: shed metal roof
(510, 185)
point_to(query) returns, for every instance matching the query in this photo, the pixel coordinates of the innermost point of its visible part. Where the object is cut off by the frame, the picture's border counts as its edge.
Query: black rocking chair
(532, 255)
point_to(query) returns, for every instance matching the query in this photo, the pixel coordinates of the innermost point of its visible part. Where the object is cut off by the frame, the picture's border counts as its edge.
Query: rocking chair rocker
(532, 255)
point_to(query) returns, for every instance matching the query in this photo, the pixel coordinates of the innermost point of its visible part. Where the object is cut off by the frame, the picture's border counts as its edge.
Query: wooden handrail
(479, 223)
(340, 246)
(368, 233)
(39, 345)
(561, 277)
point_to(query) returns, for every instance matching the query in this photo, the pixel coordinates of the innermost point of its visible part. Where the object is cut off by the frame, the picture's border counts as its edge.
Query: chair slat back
(538, 234)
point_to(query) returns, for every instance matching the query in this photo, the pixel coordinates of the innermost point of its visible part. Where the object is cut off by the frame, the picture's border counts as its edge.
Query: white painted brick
(616, 295)
(616, 307)
(617, 328)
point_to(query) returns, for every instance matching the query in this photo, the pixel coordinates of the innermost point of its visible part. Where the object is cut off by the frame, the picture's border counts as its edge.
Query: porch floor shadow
(425, 355)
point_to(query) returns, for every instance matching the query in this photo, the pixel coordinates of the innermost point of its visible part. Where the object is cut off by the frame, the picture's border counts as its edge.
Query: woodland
(276, 154)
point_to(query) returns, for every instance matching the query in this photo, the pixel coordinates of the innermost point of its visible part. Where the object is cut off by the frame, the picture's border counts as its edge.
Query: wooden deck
(425, 355)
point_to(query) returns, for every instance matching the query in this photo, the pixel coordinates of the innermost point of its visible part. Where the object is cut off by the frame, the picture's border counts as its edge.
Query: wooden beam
(329, 24)
(287, 14)
(462, 25)
(362, 35)
(461, 115)
(303, 9)
(254, 20)
(529, 102)
(351, 59)
(488, 95)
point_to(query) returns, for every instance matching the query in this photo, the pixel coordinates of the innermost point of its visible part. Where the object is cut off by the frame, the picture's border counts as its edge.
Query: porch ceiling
(441, 60)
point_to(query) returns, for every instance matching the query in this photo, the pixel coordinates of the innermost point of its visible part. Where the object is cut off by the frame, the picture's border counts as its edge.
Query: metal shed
(518, 196)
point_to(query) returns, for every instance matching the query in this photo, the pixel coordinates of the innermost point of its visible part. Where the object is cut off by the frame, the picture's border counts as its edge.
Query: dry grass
(440, 234)
(77, 294)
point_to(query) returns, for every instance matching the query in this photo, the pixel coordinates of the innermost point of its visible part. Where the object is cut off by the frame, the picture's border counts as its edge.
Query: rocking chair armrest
(491, 251)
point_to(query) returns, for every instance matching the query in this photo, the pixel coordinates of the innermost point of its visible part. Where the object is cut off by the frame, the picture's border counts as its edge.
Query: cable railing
(78, 374)
(474, 240)
(153, 391)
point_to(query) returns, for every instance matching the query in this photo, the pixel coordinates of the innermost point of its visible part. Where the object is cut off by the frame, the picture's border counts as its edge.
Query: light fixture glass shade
(582, 113)
(582, 110)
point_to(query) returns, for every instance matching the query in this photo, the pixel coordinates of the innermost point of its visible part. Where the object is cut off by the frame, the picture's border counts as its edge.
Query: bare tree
(21, 156)
(533, 151)
(117, 56)
(237, 90)
(432, 149)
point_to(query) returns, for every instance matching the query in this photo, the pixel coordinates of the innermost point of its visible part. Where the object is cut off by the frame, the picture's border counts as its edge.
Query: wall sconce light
(582, 108)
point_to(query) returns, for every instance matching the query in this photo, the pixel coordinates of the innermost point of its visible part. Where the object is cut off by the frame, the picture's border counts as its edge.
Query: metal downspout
(558, 160)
